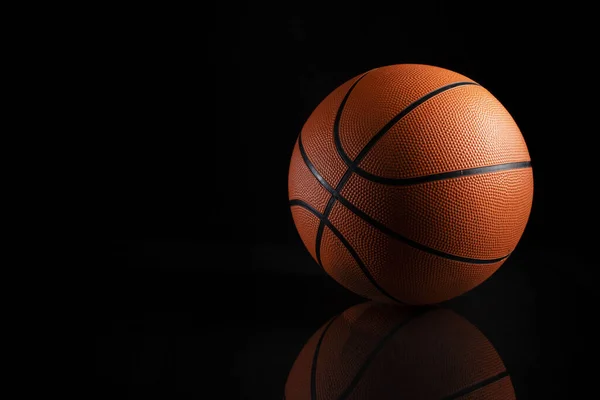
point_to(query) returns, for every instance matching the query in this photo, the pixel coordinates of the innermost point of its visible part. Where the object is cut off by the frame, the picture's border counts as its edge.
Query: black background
(204, 286)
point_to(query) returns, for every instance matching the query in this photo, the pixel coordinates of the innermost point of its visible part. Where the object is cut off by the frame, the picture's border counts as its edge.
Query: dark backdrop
(204, 282)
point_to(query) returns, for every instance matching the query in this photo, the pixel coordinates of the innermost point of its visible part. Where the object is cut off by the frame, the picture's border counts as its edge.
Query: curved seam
(381, 227)
(347, 245)
(352, 164)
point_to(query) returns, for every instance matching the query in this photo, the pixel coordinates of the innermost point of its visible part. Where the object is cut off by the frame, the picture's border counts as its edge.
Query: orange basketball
(410, 183)
(380, 351)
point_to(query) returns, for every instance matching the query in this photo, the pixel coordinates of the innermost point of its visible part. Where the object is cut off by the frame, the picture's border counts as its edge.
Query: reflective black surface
(168, 326)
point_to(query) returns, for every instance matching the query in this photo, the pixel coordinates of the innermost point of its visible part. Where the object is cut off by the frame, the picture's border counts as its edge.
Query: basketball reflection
(382, 351)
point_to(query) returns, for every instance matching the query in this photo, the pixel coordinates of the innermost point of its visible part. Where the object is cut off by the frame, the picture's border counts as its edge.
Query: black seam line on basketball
(363, 368)
(303, 204)
(352, 164)
(331, 201)
(384, 229)
(347, 245)
(336, 195)
(443, 175)
(324, 220)
(476, 386)
(351, 167)
(313, 368)
(345, 177)
(328, 187)
(336, 124)
(312, 168)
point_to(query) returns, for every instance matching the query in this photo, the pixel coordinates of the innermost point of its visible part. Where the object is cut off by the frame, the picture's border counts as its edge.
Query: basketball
(410, 184)
(380, 351)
